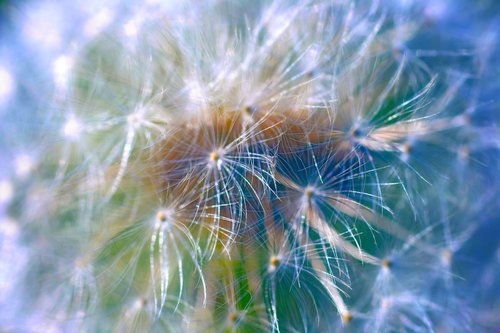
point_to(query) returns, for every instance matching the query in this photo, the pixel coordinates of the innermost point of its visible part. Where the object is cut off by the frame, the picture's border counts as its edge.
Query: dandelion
(277, 166)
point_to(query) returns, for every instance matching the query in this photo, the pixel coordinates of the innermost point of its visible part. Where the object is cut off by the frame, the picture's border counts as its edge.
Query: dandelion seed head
(264, 154)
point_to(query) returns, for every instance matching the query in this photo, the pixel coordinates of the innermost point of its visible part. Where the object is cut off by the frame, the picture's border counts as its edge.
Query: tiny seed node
(447, 256)
(233, 317)
(274, 261)
(355, 133)
(406, 148)
(248, 109)
(464, 153)
(309, 192)
(346, 317)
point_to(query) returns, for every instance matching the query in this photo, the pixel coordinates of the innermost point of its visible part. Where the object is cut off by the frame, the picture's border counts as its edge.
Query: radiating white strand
(164, 269)
(152, 262)
(180, 269)
(127, 149)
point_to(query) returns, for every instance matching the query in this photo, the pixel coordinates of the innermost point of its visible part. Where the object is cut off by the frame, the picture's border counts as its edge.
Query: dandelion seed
(386, 264)
(346, 317)
(274, 263)
(165, 216)
(248, 110)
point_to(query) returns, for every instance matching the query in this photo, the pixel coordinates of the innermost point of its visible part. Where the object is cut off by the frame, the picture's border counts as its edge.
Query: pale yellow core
(233, 316)
(406, 148)
(386, 263)
(309, 191)
(274, 261)
(346, 317)
(214, 156)
(248, 110)
(308, 194)
(161, 216)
